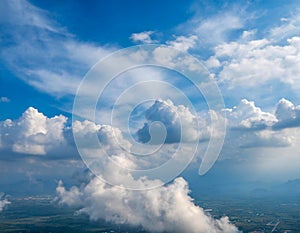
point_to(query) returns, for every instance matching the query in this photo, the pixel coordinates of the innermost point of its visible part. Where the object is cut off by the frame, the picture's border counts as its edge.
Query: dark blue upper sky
(114, 21)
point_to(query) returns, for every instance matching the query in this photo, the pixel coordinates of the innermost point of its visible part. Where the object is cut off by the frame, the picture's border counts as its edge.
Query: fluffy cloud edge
(170, 207)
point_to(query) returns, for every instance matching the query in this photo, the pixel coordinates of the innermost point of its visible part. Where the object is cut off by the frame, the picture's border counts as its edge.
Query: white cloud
(257, 67)
(176, 60)
(22, 13)
(254, 68)
(215, 30)
(165, 209)
(289, 27)
(110, 137)
(248, 34)
(110, 155)
(257, 62)
(285, 110)
(265, 138)
(288, 114)
(143, 37)
(169, 207)
(183, 43)
(212, 62)
(3, 202)
(36, 134)
(181, 125)
(247, 116)
(249, 126)
(33, 133)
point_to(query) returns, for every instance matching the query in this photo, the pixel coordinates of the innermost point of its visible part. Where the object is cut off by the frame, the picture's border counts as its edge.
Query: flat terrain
(258, 214)
(40, 214)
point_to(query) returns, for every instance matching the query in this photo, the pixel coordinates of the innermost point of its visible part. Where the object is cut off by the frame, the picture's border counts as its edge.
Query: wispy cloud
(43, 53)
(289, 27)
(216, 29)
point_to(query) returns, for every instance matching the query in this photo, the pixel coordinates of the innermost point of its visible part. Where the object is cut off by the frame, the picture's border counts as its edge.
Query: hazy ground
(40, 214)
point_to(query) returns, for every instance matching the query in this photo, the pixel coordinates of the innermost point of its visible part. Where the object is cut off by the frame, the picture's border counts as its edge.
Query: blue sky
(251, 49)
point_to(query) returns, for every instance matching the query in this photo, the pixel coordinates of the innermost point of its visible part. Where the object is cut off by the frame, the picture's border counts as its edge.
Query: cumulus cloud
(165, 209)
(3, 202)
(257, 62)
(36, 134)
(168, 208)
(288, 114)
(256, 68)
(183, 43)
(247, 116)
(249, 126)
(143, 37)
(33, 133)
(180, 123)
(109, 137)
(111, 157)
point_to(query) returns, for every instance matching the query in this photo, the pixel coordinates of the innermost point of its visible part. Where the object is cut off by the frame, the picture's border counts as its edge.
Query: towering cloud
(288, 114)
(165, 209)
(168, 208)
(33, 133)
(180, 123)
(247, 116)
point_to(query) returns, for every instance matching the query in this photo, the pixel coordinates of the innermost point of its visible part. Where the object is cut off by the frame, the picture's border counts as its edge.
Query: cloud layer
(36, 134)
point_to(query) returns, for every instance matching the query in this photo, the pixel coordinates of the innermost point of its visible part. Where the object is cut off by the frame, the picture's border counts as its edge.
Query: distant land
(41, 214)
